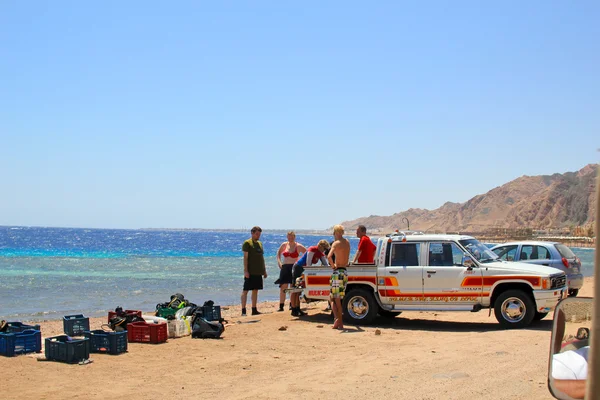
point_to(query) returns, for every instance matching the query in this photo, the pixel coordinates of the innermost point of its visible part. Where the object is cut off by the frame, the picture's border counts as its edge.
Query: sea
(47, 273)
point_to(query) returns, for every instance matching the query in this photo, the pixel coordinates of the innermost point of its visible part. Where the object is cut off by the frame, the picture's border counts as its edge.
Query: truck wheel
(539, 315)
(573, 292)
(388, 314)
(514, 309)
(359, 307)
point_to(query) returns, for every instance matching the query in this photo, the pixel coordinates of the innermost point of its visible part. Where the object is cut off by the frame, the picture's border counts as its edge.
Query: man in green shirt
(254, 269)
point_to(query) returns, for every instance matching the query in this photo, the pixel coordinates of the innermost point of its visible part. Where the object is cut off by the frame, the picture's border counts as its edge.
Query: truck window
(445, 255)
(507, 253)
(405, 254)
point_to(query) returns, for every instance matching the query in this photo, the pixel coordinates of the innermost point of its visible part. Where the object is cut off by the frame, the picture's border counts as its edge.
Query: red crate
(112, 314)
(143, 332)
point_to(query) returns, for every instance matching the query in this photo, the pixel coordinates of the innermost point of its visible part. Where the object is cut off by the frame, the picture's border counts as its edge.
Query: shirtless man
(338, 259)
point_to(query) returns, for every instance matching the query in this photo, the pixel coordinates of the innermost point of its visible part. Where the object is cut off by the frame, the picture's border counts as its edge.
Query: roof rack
(404, 233)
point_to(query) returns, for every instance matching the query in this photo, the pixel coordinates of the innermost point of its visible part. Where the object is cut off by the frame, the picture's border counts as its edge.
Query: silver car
(552, 254)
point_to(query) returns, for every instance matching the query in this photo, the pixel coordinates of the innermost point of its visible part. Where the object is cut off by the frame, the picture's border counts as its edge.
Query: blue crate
(28, 341)
(107, 342)
(75, 325)
(65, 349)
(211, 313)
(16, 327)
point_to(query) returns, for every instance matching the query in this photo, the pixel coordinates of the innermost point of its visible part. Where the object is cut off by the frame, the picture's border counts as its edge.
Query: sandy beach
(418, 355)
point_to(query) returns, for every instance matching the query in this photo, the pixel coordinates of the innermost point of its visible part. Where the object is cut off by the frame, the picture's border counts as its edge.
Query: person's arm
(560, 331)
(331, 254)
(279, 254)
(361, 247)
(246, 273)
(572, 387)
(264, 271)
(309, 257)
(324, 260)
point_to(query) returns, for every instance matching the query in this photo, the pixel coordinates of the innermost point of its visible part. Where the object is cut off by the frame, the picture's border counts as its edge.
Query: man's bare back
(341, 250)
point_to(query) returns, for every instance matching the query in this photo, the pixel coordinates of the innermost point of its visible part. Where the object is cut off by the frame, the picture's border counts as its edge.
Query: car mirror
(467, 261)
(567, 364)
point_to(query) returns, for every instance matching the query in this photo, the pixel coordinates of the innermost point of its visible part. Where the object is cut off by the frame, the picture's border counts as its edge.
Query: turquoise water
(46, 273)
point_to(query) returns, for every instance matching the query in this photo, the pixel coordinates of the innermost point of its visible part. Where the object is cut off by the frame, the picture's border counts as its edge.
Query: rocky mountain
(538, 202)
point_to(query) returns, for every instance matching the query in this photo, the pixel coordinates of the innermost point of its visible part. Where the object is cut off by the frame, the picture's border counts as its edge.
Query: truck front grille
(558, 281)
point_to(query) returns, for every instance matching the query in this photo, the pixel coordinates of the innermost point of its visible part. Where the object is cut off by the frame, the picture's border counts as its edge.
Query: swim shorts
(296, 273)
(255, 282)
(338, 282)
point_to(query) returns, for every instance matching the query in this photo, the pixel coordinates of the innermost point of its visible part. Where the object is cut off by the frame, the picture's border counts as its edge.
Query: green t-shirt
(256, 260)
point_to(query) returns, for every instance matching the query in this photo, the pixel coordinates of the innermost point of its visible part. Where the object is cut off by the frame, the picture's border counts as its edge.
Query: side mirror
(569, 348)
(467, 261)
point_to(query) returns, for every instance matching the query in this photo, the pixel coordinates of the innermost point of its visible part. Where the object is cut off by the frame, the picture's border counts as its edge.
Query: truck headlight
(545, 283)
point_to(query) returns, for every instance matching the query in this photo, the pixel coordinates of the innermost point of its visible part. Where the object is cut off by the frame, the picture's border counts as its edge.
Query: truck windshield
(479, 251)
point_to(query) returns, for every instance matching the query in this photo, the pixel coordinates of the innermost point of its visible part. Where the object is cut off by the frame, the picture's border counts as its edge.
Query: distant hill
(538, 202)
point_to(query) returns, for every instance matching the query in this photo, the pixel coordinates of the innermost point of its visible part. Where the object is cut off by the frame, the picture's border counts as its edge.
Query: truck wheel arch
(363, 297)
(503, 287)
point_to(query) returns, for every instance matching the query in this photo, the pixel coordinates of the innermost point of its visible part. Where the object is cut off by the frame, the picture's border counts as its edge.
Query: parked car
(552, 254)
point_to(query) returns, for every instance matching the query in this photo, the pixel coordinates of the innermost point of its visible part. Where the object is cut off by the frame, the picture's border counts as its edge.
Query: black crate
(16, 327)
(107, 342)
(210, 313)
(75, 325)
(68, 350)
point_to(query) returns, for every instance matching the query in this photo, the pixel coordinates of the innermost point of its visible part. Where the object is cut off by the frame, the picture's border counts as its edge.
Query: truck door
(400, 278)
(444, 275)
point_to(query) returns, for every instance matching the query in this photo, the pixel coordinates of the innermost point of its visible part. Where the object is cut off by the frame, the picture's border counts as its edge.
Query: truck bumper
(546, 300)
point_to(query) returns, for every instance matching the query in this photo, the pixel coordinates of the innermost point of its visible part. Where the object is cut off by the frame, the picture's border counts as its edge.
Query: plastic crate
(143, 332)
(75, 325)
(16, 327)
(107, 342)
(65, 349)
(166, 312)
(112, 314)
(179, 327)
(28, 341)
(211, 313)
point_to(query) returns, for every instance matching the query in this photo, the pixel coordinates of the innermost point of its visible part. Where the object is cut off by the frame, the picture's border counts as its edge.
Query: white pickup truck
(424, 272)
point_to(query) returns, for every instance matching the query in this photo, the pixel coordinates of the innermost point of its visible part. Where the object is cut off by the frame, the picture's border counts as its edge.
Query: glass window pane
(526, 252)
(506, 253)
(405, 254)
(543, 253)
(445, 255)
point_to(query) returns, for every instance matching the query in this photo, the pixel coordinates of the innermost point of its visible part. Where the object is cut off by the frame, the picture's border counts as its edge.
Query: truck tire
(573, 292)
(389, 314)
(359, 307)
(514, 309)
(539, 316)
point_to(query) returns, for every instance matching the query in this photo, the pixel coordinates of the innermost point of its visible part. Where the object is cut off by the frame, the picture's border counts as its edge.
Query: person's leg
(335, 313)
(254, 297)
(298, 310)
(282, 288)
(244, 299)
(337, 306)
(334, 297)
(294, 301)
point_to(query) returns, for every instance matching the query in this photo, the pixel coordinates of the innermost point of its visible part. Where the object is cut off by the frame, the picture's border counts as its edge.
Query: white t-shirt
(571, 364)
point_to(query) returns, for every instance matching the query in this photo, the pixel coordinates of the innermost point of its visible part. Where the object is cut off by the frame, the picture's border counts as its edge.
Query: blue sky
(285, 114)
